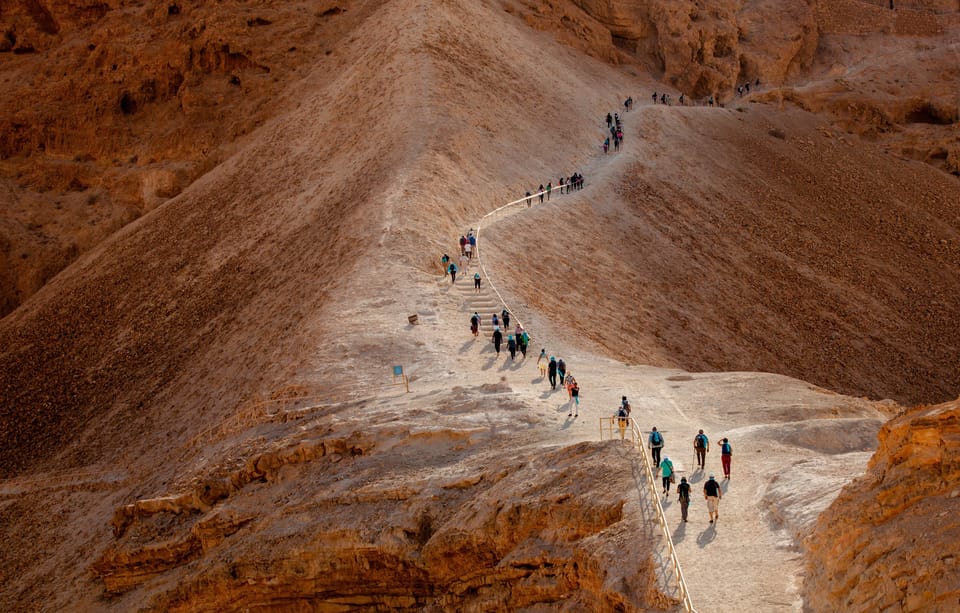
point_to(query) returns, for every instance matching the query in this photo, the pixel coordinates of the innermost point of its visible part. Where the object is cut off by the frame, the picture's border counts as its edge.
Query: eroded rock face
(532, 530)
(884, 544)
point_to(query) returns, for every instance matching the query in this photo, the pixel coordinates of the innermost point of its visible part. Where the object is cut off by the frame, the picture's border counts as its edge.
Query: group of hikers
(468, 248)
(616, 132)
(555, 370)
(712, 491)
(564, 184)
(712, 100)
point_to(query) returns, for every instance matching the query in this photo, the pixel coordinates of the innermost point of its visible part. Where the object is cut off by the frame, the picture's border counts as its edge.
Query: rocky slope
(887, 543)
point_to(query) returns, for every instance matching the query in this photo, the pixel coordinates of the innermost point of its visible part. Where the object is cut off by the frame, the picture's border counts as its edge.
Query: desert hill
(203, 402)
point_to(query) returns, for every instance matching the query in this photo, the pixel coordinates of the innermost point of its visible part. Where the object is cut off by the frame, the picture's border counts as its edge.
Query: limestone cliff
(888, 542)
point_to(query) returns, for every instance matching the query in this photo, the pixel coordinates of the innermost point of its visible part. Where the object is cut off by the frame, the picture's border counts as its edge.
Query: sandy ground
(751, 556)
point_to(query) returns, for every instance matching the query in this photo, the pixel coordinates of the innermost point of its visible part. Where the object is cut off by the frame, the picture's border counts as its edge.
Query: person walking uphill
(552, 373)
(511, 346)
(713, 494)
(655, 442)
(701, 445)
(726, 455)
(561, 370)
(476, 281)
(666, 471)
(505, 318)
(683, 496)
(453, 272)
(497, 340)
(475, 324)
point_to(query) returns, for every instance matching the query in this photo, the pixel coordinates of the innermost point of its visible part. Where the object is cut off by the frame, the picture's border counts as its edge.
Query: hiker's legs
(684, 505)
(725, 460)
(655, 452)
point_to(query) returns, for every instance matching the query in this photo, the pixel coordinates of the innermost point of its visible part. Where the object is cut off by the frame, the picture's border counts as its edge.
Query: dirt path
(745, 558)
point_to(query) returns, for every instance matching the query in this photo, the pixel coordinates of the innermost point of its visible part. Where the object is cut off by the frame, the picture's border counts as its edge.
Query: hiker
(568, 382)
(654, 97)
(681, 99)
(473, 243)
(616, 144)
(666, 471)
(540, 193)
(552, 373)
(453, 272)
(445, 261)
(497, 340)
(542, 363)
(549, 189)
(575, 394)
(713, 494)
(625, 404)
(628, 103)
(528, 198)
(505, 318)
(475, 324)
(710, 101)
(609, 120)
(463, 242)
(746, 86)
(663, 98)
(524, 342)
(701, 445)
(655, 442)
(476, 281)
(726, 454)
(740, 91)
(561, 369)
(683, 496)
(619, 135)
(511, 346)
(468, 249)
(495, 320)
(622, 420)
(606, 144)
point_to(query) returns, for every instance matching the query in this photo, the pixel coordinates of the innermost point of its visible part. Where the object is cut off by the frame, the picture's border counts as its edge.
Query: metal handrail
(611, 426)
(637, 437)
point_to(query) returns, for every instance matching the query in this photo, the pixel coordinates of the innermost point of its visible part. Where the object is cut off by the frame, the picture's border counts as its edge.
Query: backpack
(725, 449)
(683, 491)
(698, 441)
(657, 439)
(621, 412)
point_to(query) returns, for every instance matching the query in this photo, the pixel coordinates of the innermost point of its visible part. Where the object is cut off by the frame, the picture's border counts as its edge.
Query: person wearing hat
(713, 494)
(683, 495)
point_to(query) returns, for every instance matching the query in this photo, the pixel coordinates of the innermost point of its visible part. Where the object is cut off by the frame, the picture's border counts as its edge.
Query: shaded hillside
(109, 109)
(888, 541)
(751, 239)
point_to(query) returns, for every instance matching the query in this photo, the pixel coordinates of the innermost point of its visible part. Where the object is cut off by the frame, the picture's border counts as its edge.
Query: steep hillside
(889, 540)
(111, 108)
(759, 240)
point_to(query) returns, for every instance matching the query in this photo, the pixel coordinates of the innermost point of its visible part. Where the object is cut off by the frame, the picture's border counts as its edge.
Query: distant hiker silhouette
(561, 369)
(552, 373)
(529, 199)
(654, 97)
(475, 324)
(511, 346)
(476, 282)
(606, 145)
(549, 189)
(463, 242)
(505, 318)
(609, 120)
(445, 261)
(495, 320)
(540, 193)
(453, 272)
(497, 339)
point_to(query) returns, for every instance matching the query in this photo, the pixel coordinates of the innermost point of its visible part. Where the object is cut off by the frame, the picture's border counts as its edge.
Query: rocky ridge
(887, 543)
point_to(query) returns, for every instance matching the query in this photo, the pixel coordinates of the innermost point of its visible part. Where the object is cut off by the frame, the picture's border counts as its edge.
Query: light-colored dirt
(735, 240)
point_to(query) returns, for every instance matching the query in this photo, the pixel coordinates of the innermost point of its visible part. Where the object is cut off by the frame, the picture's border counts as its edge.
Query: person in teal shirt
(666, 471)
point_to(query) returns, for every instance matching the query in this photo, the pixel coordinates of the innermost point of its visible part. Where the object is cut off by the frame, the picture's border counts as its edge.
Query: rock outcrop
(888, 542)
(530, 531)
